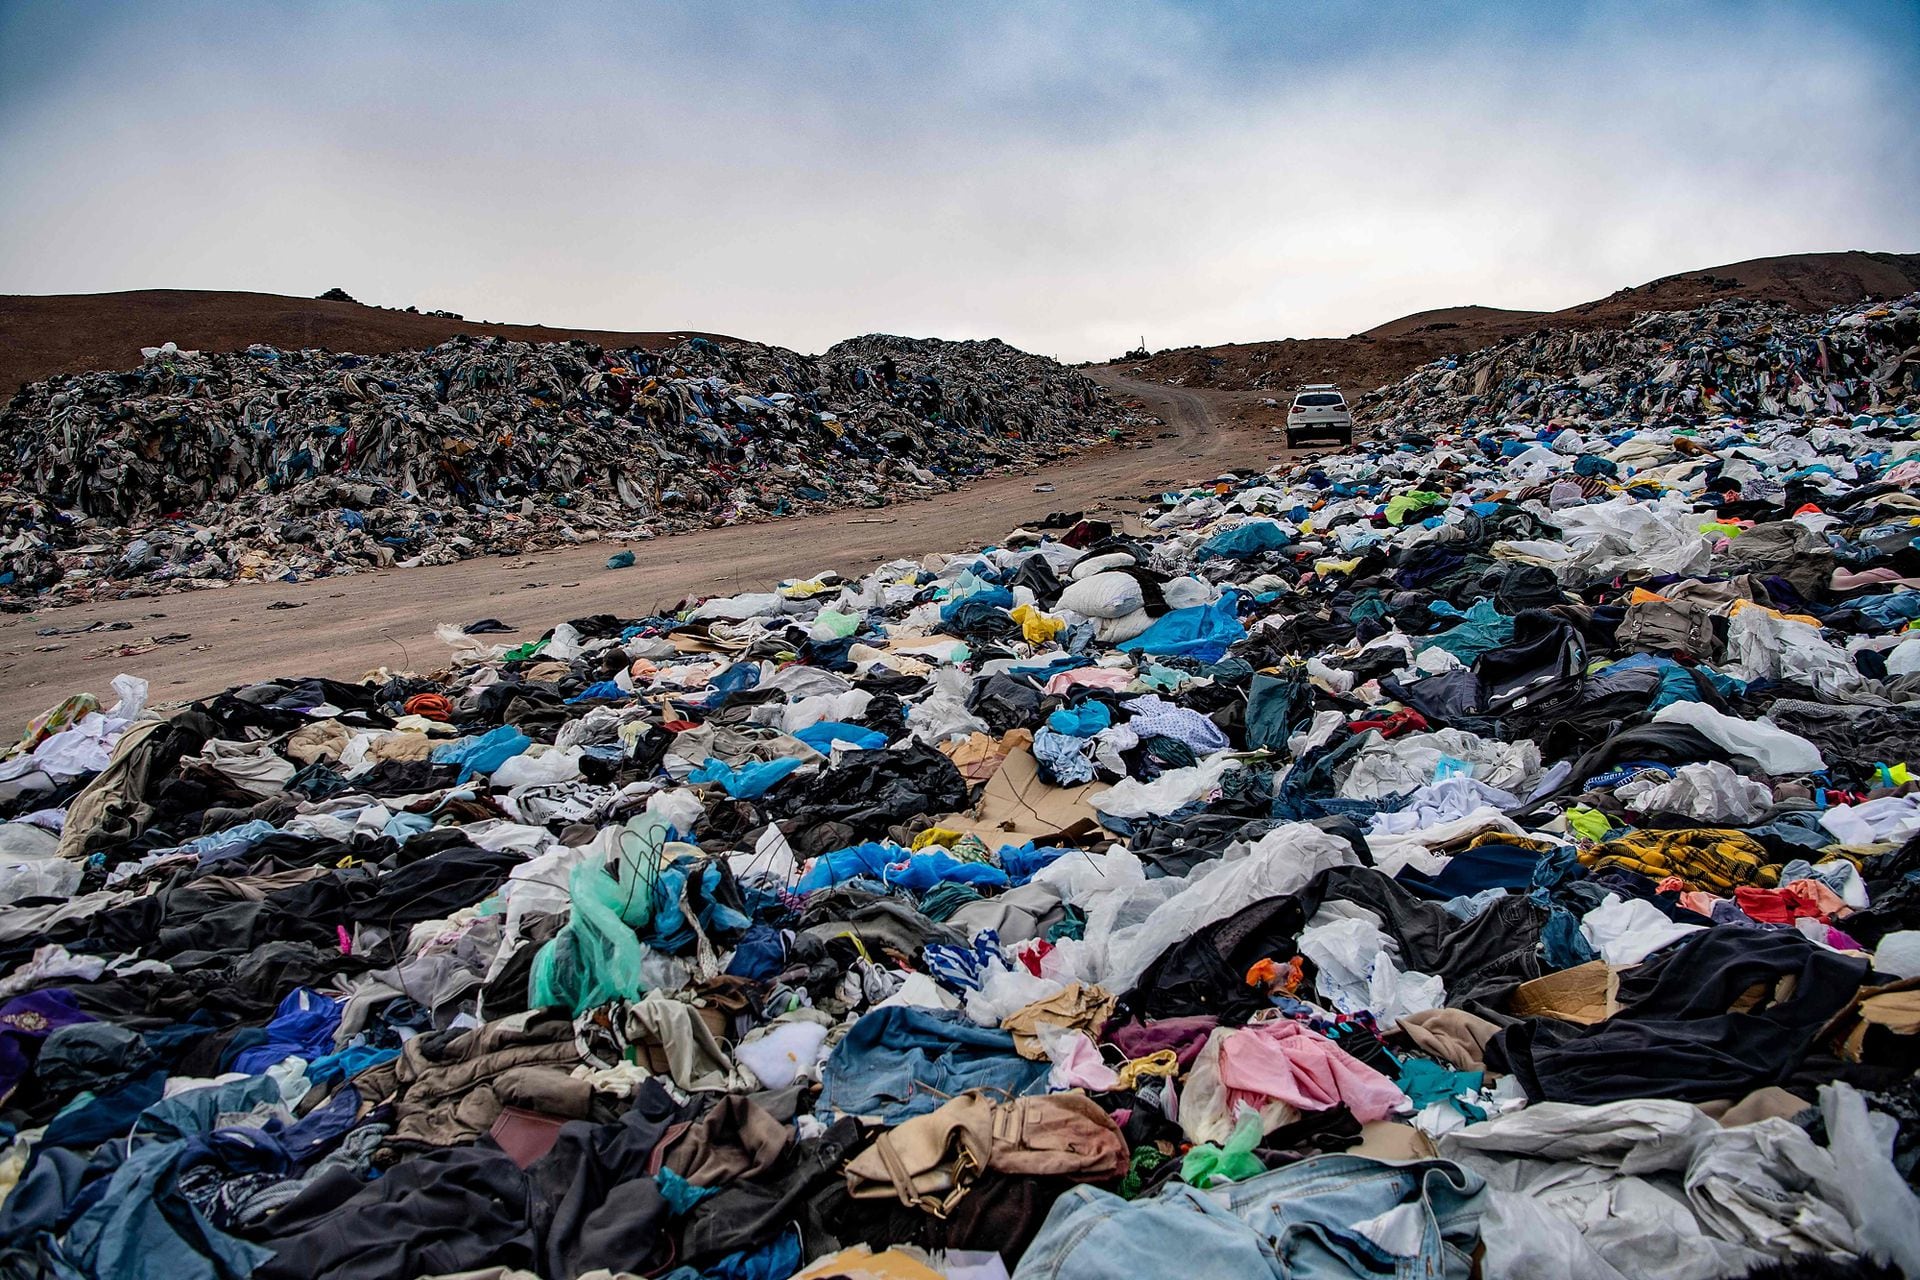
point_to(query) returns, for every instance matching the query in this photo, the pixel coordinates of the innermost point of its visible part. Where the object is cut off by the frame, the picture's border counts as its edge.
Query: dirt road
(345, 627)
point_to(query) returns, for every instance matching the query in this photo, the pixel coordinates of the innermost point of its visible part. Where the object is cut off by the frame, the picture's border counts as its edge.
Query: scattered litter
(137, 647)
(85, 630)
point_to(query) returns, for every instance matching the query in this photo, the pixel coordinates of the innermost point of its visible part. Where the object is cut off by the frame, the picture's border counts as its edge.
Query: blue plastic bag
(823, 735)
(748, 782)
(483, 754)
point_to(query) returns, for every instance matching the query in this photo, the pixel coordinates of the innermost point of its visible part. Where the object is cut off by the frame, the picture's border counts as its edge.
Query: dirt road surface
(345, 627)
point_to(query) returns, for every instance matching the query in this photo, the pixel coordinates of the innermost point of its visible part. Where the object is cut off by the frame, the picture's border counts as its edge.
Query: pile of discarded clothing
(1497, 854)
(1737, 357)
(198, 469)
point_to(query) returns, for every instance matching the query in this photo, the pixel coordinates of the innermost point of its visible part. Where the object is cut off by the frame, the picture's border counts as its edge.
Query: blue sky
(1066, 176)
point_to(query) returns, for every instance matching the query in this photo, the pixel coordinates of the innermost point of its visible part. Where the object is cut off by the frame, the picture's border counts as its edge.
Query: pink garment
(1304, 1069)
(1077, 1064)
(1848, 579)
(1699, 902)
(1094, 677)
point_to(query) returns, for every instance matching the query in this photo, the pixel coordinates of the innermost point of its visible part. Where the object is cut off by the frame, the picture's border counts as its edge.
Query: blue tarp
(1243, 542)
(1202, 632)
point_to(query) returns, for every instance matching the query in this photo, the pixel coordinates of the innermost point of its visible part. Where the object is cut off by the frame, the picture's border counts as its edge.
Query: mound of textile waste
(1741, 358)
(1496, 855)
(199, 469)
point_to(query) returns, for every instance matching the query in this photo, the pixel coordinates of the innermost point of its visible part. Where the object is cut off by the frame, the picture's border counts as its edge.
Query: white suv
(1319, 412)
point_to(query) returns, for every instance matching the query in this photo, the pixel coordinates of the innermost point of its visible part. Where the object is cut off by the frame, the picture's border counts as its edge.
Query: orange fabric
(430, 706)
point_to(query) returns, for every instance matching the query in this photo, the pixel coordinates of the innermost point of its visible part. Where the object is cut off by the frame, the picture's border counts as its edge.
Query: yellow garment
(1588, 824)
(1739, 606)
(860, 1262)
(801, 590)
(1162, 1062)
(935, 835)
(13, 1161)
(1036, 626)
(322, 740)
(1710, 858)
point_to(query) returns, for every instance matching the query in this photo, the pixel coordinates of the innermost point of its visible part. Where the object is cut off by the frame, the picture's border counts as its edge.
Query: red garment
(1407, 721)
(1032, 955)
(1777, 906)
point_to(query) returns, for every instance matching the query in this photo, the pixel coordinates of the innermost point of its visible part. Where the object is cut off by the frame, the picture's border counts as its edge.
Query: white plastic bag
(1004, 991)
(1343, 952)
(557, 764)
(1884, 1212)
(1393, 993)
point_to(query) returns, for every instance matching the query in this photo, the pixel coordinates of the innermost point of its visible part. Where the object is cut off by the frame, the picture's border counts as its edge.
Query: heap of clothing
(1735, 356)
(200, 469)
(1496, 851)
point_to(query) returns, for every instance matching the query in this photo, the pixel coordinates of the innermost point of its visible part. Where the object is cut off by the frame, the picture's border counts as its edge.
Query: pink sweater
(1304, 1069)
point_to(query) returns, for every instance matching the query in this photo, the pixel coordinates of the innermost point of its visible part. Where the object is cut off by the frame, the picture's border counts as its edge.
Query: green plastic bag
(836, 623)
(1207, 1164)
(596, 956)
(521, 652)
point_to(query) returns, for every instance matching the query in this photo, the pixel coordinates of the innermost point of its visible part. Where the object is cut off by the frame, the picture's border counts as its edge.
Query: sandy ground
(345, 627)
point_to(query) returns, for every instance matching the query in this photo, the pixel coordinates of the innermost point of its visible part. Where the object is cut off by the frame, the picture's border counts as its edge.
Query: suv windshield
(1319, 400)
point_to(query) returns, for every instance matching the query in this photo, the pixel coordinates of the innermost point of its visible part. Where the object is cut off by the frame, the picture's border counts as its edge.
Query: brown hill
(1805, 281)
(1444, 318)
(71, 333)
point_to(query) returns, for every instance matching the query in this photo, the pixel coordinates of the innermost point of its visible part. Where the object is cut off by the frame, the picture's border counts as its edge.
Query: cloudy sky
(1067, 176)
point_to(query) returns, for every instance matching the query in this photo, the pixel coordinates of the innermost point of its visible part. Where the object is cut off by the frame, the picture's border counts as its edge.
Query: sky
(1070, 177)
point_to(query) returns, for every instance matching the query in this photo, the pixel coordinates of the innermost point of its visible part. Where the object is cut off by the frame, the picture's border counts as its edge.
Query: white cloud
(1066, 181)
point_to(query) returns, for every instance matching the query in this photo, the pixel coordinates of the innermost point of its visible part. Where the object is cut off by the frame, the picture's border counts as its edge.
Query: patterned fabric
(1156, 718)
(69, 712)
(962, 968)
(1713, 859)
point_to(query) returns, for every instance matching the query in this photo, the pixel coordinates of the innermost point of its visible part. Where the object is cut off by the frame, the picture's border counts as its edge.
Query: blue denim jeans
(1303, 1222)
(899, 1062)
